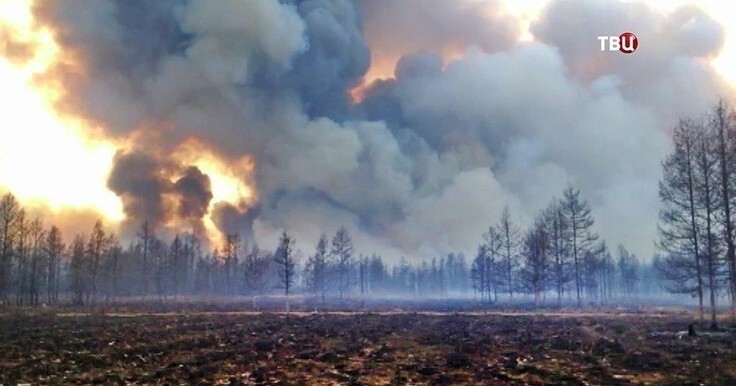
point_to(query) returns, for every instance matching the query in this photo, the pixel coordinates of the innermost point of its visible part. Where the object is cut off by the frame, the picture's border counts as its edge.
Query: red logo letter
(629, 43)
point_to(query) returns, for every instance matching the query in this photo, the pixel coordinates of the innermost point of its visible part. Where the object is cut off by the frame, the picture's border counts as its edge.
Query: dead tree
(679, 226)
(560, 264)
(534, 271)
(363, 275)
(176, 263)
(96, 248)
(112, 255)
(35, 272)
(510, 241)
(706, 171)
(9, 212)
(254, 270)
(722, 120)
(21, 254)
(316, 269)
(53, 247)
(479, 272)
(146, 235)
(342, 251)
(78, 270)
(580, 236)
(497, 262)
(285, 260)
(230, 255)
(628, 271)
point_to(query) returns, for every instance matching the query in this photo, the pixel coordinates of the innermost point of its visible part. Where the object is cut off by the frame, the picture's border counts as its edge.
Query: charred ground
(229, 347)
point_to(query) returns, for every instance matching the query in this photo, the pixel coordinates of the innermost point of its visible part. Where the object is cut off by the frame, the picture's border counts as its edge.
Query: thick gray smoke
(429, 159)
(143, 181)
(195, 191)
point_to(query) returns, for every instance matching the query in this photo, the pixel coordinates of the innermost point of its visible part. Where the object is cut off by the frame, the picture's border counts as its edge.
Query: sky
(411, 123)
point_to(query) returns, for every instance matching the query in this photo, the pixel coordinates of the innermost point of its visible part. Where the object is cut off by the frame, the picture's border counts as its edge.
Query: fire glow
(58, 160)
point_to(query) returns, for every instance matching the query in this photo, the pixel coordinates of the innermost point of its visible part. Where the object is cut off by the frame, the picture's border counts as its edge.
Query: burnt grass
(360, 349)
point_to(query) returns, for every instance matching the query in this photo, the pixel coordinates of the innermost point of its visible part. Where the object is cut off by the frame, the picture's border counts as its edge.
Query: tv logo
(626, 43)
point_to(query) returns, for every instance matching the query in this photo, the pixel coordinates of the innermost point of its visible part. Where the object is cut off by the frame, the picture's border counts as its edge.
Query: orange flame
(46, 157)
(227, 178)
(383, 67)
(58, 160)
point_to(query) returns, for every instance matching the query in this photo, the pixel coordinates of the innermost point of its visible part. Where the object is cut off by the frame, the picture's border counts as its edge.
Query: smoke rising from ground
(472, 121)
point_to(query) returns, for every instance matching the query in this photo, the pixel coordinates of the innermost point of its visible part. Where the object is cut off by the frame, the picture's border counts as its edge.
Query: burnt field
(361, 348)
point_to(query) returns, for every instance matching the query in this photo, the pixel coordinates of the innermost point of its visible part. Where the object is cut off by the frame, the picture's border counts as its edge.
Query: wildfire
(228, 180)
(383, 67)
(45, 158)
(59, 161)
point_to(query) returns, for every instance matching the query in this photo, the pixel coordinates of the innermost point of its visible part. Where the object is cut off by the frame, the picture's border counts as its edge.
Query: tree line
(559, 256)
(36, 266)
(696, 223)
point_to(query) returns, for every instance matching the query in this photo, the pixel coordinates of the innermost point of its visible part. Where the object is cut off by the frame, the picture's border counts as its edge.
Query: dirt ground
(361, 349)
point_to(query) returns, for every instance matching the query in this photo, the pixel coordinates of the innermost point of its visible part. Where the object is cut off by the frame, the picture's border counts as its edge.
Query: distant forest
(559, 259)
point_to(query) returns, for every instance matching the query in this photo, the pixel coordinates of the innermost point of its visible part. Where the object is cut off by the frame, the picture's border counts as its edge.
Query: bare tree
(286, 261)
(21, 253)
(342, 250)
(557, 232)
(706, 172)
(159, 264)
(600, 272)
(316, 269)
(35, 276)
(510, 239)
(54, 247)
(192, 251)
(146, 235)
(479, 272)
(628, 270)
(203, 282)
(679, 227)
(113, 253)
(363, 274)
(230, 255)
(496, 264)
(722, 119)
(96, 248)
(534, 272)
(254, 267)
(79, 270)
(489, 265)
(176, 260)
(580, 236)
(9, 212)
(378, 275)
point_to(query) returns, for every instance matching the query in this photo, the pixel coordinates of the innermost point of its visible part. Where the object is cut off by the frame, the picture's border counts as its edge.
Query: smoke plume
(471, 120)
